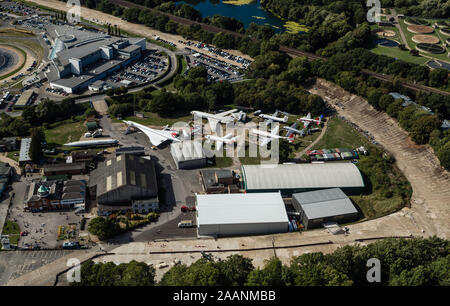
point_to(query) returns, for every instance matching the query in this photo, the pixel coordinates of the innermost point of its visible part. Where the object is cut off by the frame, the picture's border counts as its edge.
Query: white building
(241, 214)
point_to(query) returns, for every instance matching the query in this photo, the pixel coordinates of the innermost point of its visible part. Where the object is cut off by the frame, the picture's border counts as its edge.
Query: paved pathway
(324, 129)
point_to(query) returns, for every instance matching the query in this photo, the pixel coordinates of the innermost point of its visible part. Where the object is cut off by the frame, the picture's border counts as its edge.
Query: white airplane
(156, 137)
(241, 116)
(291, 130)
(227, 139)
(93, 143)
(271, 118)
(215, 119)
(266, 137)
(307, 120)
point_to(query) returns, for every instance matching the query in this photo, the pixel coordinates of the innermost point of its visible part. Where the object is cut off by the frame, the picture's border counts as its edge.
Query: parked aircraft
(241, 116)
(307, 120)
(227, 139)
(93, 143)
(156, 137)
(291, 130)
(266, 137)
(215, 119)
(271, 118)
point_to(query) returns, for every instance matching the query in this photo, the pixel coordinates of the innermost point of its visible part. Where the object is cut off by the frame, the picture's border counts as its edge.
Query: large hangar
(289, 179)
(241, 214)
(318, 207)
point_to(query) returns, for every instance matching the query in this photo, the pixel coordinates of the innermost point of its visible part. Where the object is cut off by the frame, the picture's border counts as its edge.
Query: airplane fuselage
(221, 119)
(273, 118)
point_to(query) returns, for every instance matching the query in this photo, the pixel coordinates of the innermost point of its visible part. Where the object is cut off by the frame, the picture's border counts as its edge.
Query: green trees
(233, 271)
(103, 228)
(108, 274)
(422, 128)
(35, 146)
(270, 275)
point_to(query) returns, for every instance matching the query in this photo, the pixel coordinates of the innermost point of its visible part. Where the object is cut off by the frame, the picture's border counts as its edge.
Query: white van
(185, 223)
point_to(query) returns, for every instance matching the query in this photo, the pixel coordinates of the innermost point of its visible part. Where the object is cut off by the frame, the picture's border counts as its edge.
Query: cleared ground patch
(429, 39)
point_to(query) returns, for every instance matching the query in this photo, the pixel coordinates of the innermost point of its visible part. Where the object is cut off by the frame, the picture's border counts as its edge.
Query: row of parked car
(238, 59)
(57, 91)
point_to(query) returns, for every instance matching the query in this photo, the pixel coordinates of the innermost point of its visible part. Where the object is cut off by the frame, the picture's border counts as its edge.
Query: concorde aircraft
(93, 143)
(156, 137)
(266, 137)
(215, 119)
(227, 139)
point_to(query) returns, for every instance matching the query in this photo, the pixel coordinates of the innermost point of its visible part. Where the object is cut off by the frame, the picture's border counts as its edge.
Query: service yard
(42, 227)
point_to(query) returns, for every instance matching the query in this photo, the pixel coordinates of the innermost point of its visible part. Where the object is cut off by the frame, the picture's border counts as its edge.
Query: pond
(243, 10)
(387, 43)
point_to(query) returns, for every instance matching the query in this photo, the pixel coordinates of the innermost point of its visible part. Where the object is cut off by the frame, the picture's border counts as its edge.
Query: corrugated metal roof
(259, 177)
(25, 150)
(241, 208)
(325, 203)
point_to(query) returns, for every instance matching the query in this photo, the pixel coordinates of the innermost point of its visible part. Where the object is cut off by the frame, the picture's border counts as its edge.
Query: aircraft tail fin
(291, 138)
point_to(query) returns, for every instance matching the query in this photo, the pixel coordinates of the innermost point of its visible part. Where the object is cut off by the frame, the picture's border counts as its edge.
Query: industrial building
(24, 99)
(55, 195)
(24, 154)
(80, 58)
(293, 178)
(125, 183)
(189, 155)
(65, 169)
(6, 173)
(8, 144)
(131, 150)
(218, 181)
(241, 214)
(323, 206)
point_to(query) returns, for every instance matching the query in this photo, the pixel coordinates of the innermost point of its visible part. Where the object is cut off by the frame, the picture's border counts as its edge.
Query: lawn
(13, 230)
(395, 52)
(11, 155)
(155, 120)
(63, 132)
(223, 162)
(375, 202)
(412, 45)
(340, 135)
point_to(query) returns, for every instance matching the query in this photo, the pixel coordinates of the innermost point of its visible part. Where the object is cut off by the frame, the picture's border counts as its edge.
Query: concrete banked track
(430, 203)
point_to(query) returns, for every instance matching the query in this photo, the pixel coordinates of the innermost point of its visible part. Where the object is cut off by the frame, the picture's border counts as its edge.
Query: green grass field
(12, 156)
(63, 132)
(155, 119)
(340, 135)
(412, 44)
(223, 162)
(13, 230)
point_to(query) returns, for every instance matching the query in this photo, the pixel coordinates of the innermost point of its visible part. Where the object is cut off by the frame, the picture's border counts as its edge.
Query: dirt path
(138, 29)
(430, 201)
(324, 130)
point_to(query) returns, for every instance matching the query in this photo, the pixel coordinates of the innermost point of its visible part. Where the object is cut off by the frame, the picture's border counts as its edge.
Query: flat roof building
(241, 214)
(24, 99)
(66, 168)
(24, 156)
(289, 179)
(80, 58)
(323, 206)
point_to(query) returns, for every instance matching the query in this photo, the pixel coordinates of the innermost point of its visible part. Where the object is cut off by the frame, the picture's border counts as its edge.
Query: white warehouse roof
(239, 208)
(326, 175)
